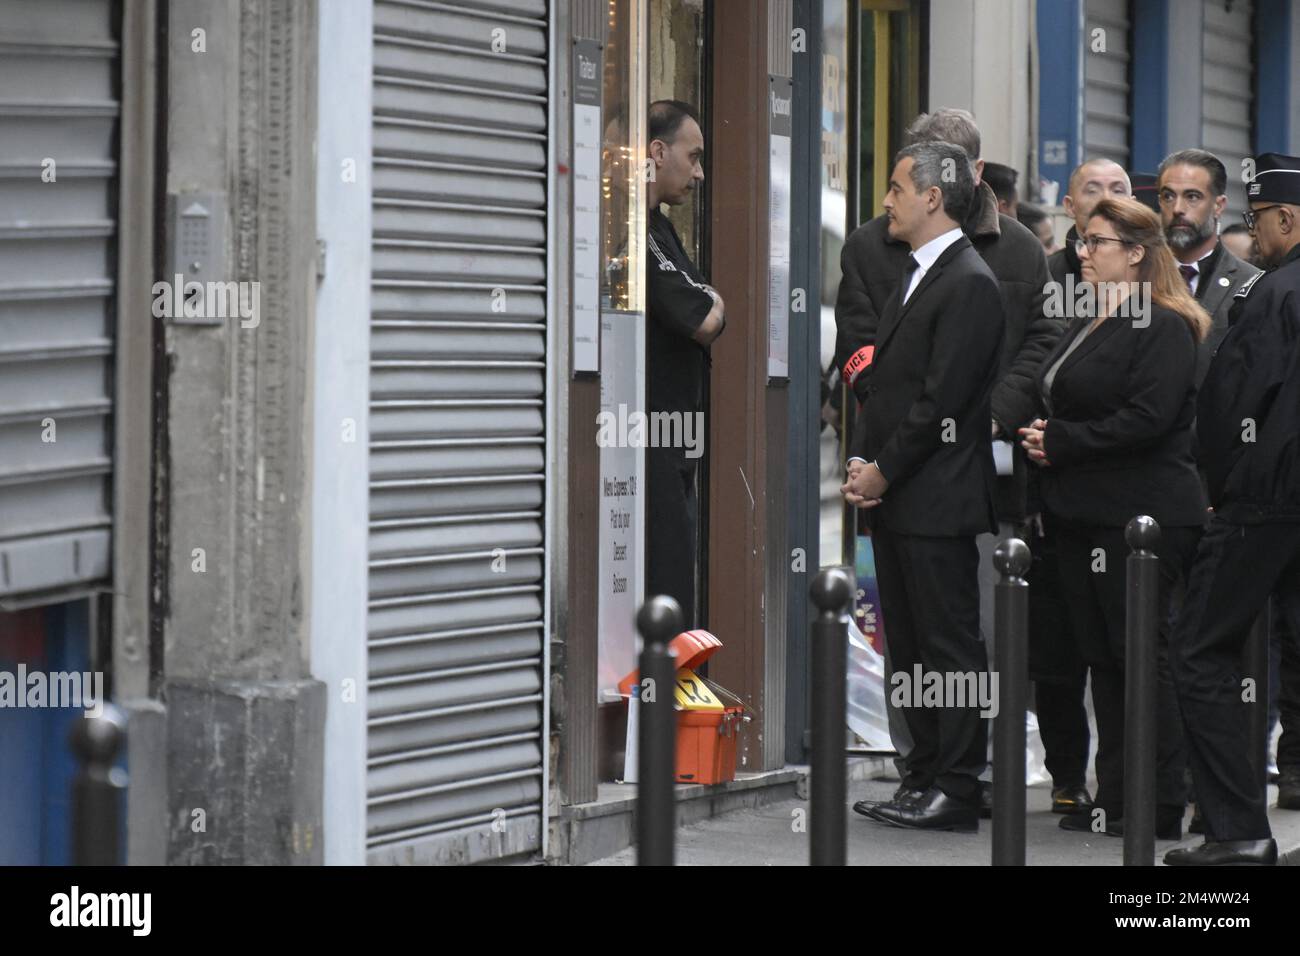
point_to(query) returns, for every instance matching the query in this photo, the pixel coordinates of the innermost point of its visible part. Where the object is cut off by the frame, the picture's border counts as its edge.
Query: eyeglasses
(1251, 216)
(1090, 243)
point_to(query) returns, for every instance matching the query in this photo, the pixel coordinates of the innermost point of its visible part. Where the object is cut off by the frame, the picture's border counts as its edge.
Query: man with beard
(1191, 186)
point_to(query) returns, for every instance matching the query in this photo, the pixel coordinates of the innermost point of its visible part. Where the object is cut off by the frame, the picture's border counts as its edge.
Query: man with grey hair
(923, 471)
(872, 263)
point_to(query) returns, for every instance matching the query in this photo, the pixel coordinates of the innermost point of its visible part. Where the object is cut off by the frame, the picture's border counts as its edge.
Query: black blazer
(1119, 437)
(925, 418)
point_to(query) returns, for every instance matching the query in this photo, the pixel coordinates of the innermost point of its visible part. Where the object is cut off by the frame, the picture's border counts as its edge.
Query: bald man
(1090, 183)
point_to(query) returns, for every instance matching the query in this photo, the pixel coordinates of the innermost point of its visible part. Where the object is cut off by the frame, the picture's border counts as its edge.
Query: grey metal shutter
(1227, 95)
(457, 454)
(1106, 82)
(58, 115)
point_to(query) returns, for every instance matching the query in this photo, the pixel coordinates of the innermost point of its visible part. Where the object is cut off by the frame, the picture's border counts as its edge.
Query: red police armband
(858, 361)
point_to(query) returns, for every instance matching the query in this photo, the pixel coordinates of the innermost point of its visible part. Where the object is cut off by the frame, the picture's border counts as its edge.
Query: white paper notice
(780, 99)
(586, 207)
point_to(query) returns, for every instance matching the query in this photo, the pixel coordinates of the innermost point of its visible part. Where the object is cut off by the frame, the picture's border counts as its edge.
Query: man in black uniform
(685, 314)
(1248, 424)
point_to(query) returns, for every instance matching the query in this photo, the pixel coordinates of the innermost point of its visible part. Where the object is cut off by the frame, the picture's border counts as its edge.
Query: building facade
(309, 312)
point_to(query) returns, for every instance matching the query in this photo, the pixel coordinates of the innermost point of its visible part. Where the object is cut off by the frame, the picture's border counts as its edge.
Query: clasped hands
(1032, 441)
(865, 486)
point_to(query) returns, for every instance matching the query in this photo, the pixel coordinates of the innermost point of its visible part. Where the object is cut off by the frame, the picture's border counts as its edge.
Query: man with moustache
(1191, 186)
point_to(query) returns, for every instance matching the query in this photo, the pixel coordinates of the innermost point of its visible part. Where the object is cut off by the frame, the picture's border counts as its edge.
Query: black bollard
(96, 789)
(659, 621)
(1141, 628)
(830, 592)
(1255, 665)
(1011, 664)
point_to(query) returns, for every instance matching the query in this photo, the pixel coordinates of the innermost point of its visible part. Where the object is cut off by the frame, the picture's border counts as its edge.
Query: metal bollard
(1255, 664)
(830, 592)
(659, 621)
(1011, 663)
(96, 789)
(1141, 629)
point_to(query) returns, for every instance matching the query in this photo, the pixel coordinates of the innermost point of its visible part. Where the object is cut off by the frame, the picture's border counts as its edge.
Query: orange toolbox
(708, 715)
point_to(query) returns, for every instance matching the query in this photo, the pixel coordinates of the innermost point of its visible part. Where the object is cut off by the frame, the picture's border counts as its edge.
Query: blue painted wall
(1060, 100)
(36, 766)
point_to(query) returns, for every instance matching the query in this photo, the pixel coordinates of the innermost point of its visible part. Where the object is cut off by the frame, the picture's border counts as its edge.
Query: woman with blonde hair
(1114, 440)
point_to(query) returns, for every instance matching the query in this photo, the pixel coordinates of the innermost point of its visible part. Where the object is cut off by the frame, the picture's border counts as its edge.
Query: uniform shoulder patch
(1246, 286)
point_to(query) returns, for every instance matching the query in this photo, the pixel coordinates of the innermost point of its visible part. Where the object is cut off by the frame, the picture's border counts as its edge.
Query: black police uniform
(678, 302)
(1248, 424)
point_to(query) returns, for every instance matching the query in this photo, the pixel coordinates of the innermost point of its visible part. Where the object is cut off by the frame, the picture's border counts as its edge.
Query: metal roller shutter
(1227, 97)
(58, 135)
(457, 424)
(1106, 82)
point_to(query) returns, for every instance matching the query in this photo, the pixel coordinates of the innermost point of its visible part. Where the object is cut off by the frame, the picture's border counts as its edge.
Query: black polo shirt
(677, 303)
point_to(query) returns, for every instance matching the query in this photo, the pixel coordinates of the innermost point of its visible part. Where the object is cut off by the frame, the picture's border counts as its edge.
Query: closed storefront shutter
(1106, 80)
(1227, 100)
(58, 133)
(457, 425)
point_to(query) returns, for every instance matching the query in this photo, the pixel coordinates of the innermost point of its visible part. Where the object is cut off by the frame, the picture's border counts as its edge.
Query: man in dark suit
(872, 263)
(1191, 187)
(922, 462)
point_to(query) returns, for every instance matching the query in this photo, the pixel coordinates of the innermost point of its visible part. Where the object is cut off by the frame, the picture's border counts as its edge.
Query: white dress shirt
(1199, 266)
(927, 255)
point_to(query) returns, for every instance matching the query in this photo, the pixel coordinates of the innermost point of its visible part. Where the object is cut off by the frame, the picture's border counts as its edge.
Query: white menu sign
(622, 501)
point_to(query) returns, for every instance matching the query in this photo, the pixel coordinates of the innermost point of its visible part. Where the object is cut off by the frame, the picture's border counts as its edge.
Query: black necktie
(912, 266)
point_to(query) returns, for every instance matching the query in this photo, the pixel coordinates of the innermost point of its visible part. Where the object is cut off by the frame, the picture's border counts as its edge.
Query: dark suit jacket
(1119, 436)
(871, 264)
(1216, 298)
(925, 418)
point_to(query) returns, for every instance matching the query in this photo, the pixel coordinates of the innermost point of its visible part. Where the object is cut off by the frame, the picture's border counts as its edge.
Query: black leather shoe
(1082, 822)
(1071, 800)
(986, 800)
(934, 810)
(1169, 824)
(1225, 853)
(1288, 790)
(902, 796)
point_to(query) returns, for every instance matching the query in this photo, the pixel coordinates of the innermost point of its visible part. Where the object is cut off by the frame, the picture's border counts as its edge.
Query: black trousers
(1060, 677)
(1096, 599)
(671, 523)
(930, 605)
(1284, 683)
(1237, 567)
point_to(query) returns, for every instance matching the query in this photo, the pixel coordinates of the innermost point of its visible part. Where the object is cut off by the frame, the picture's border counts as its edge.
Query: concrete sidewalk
(767, 836)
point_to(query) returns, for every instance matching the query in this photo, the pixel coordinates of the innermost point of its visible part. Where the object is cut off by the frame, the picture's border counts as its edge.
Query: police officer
(685, 315)
(1248, 423)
